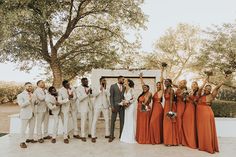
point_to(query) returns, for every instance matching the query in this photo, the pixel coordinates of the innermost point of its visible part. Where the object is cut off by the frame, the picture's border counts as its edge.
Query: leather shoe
(47, 137)
(77, 136)
(53, 140)
(41, 140)
(83, 139)
(111, 139)
(66, 141)
(23, 145)
(93, 140)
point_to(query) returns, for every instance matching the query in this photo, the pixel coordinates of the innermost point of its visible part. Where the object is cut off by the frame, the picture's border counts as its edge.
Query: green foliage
(218, 51)
(224, 108)
(9, 91)
(177, 47)
(227, 94)
(70, 37)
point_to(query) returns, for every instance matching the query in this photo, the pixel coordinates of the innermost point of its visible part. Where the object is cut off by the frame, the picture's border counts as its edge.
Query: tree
(177, 47)
(218, 52)
(67, 36)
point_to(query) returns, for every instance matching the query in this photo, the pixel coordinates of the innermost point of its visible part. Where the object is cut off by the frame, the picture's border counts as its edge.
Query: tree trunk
(57, 75)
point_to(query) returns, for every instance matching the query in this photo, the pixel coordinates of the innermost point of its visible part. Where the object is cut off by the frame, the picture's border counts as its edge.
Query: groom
(116, 96)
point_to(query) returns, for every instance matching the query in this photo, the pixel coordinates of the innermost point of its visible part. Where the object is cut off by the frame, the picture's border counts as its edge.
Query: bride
(128, 133)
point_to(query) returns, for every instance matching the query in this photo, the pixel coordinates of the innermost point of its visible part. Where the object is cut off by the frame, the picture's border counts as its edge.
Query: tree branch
(50, 35)
(44, 44)
(62, 57)
(71, 24)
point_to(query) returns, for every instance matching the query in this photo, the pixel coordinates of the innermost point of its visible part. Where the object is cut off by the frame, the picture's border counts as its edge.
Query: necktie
(120, 88)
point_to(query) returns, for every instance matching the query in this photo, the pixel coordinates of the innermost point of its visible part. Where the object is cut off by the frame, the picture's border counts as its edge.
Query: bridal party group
(173, 115)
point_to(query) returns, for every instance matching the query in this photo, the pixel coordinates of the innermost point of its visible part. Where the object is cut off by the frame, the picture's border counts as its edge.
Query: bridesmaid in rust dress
(143, 117)
(170, 131)
(189, 118)
(156, 122)
(180, 107)
(207, 136)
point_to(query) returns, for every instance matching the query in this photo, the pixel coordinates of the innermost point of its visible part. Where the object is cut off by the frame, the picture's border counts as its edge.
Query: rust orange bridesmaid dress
(156, 121)
(180, 111)
(142, 127)
(207, 136)
(189, 123)
(170, 131)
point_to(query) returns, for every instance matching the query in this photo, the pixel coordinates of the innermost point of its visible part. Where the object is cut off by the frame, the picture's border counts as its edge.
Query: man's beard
(85, 86)
(30, 91)
(54, 94)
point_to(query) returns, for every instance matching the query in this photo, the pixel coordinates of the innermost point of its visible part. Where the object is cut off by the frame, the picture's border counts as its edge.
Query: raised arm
(162, 81)
(202, 86)
(141, 79)
(40, 96)
(216, 89)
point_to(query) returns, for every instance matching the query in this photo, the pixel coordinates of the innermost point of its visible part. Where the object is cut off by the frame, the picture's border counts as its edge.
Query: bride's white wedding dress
(129, 129)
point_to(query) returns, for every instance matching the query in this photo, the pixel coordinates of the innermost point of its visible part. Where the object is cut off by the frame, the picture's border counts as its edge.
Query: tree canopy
(67, 36)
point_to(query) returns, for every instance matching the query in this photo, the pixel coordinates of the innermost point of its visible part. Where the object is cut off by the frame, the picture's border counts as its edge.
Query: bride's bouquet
(125, 103)
(171, 114)
(144, 108)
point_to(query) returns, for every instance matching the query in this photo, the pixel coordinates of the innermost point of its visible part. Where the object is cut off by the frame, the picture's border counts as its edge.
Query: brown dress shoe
(111, 139)
(33, 141)
(89, 136)
(77, 136)
(83, 139)
(23, 145)
(47, 137)
(28, 141)
(107, 136)
(66, 141)
(41, 140)
(53, 140)
(93, 140)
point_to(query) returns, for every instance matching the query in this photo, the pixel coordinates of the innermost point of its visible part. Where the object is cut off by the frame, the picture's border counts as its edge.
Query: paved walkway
(9, 147)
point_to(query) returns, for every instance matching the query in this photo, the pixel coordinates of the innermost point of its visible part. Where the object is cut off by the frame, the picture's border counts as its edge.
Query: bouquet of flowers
(144, 108)
(171, 114)
(163, 64)
(227, 72)
(208, 73)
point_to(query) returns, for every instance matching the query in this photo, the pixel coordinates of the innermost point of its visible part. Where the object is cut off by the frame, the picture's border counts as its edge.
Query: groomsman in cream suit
(101, 104)
(42, 112)
(55, 107)
(67, 97)
(27, 101)
(84, 95)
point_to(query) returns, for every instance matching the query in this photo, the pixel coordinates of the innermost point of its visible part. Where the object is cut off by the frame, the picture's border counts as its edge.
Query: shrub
(224, 108)
(9, 91)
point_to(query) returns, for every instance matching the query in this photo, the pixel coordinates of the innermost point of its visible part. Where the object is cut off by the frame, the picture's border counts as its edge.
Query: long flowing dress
(180, 112)
(170, 131)
(142, 128)
(156, 122)
(207, 136)
(189, 124)
(128, 133)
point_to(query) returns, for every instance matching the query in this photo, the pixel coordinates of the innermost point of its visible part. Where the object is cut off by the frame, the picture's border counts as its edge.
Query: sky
(162, 14)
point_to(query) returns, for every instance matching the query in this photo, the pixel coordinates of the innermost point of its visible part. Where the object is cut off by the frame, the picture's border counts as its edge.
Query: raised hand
(141, 75)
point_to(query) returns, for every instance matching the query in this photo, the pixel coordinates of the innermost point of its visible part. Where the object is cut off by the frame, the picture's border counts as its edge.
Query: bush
(9, 91)
(224, 108)
(227, 94)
